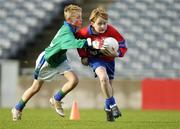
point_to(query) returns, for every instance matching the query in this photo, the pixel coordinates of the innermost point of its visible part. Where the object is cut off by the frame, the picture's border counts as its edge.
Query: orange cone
(74, 112)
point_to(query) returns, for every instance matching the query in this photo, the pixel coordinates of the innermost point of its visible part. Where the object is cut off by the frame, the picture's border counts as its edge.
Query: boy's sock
(59, 95)
(109, 101)
(20, 105)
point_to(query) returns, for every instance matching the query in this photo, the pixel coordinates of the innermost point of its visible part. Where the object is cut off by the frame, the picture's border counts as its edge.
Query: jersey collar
(70, 26)
(90, 30)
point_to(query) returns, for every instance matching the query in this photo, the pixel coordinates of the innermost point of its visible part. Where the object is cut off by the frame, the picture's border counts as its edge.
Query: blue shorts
(109, 66)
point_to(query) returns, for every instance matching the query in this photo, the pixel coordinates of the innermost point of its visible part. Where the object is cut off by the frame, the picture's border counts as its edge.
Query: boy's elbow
(123, 52)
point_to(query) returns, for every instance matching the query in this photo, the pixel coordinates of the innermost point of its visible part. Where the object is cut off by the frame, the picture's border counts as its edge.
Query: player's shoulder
(63, 28)
(111, 27)
(116, 34)
(111, 30)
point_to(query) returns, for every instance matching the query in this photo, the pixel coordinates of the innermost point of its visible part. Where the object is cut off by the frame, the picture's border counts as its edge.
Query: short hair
(70, 10)
(98, 12)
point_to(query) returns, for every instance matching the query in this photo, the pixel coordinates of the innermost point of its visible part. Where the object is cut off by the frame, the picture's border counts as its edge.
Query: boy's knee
(104, 80)
(36, 86)
(35, 89)
(74, 81)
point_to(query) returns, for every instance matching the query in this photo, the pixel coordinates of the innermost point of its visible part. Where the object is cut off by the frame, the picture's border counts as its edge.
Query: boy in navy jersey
(103, 64)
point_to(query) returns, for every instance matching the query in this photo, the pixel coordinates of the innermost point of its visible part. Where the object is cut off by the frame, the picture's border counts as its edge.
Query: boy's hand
(109, 52)
(95, 44)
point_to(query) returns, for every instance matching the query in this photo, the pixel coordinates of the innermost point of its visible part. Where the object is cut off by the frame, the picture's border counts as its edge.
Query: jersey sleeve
(82, 34)
(71, 42)
(65, 39)
(122, 43)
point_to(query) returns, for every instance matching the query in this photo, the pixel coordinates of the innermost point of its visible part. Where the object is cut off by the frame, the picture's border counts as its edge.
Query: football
(112, 43)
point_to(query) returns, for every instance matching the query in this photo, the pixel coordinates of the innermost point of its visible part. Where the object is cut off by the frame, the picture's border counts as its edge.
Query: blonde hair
(98, 12)
(70, 10)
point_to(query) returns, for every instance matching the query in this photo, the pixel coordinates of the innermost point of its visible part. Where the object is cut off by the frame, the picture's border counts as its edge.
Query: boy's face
(100, 25)
(76, 19)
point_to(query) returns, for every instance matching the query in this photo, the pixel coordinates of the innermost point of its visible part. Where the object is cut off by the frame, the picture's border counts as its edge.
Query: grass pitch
(91, 119)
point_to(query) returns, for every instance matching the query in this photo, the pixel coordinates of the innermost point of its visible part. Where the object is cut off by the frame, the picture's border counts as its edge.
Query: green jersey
(55, 53)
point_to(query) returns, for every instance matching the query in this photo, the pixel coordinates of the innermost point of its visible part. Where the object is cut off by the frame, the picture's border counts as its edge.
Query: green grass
(91, 119)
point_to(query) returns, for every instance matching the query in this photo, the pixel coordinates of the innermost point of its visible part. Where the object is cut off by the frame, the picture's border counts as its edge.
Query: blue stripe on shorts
(37, 69)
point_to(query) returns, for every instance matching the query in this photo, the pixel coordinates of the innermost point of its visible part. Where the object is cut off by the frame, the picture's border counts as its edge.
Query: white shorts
(43, 71)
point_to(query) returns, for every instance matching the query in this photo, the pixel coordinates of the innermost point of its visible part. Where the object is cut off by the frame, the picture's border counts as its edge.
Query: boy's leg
(104, 81)
(17, 110)
(107, 91)
(72, 81)
(111, 108)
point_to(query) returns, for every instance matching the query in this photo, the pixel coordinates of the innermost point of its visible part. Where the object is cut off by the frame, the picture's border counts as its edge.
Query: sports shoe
(57, 105)
(115, 111)
(109, 115)
(16, 114)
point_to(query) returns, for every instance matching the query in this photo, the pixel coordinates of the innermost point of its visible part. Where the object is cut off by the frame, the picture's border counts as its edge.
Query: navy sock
(109, 102)
(59, 95)
(20, 105)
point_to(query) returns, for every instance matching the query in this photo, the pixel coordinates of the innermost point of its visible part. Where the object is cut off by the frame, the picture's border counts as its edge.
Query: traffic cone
(74, 112)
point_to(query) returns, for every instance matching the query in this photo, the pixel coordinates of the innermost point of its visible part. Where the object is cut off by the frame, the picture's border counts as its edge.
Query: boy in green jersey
(53, 62)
